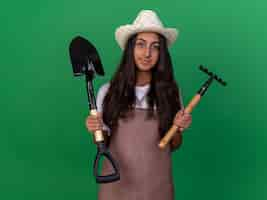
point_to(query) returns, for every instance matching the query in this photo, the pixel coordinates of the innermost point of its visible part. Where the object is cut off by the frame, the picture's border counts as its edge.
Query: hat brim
(123, 33)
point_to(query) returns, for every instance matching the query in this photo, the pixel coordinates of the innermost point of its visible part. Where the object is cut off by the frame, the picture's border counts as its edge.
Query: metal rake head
(211, 74)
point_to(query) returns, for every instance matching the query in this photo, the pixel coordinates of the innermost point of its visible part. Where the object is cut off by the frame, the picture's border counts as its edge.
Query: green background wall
(46, 152)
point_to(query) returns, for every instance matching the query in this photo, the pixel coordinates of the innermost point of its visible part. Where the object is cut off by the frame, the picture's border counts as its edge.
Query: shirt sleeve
(99, 103)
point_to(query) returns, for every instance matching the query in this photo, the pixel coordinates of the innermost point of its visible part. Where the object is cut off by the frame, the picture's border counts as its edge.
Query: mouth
(146, 62)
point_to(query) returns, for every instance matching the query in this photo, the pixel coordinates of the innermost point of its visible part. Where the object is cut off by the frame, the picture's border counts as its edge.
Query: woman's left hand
(182, 120)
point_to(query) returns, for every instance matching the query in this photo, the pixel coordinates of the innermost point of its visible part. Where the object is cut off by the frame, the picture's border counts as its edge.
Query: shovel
(86, 61)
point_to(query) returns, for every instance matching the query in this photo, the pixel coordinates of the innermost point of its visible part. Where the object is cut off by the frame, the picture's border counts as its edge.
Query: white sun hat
(146, 21)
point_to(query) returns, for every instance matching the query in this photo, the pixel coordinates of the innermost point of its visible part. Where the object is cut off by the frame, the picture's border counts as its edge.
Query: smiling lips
(145, 62)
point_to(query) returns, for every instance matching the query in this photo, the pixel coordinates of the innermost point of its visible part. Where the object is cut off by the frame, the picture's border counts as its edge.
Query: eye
(155, 46)
(140, 44)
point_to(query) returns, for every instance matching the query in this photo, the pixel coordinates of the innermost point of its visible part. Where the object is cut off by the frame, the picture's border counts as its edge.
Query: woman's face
(146, 50)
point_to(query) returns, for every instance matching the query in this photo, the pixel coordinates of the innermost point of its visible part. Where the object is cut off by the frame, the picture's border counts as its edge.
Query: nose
(148, 52)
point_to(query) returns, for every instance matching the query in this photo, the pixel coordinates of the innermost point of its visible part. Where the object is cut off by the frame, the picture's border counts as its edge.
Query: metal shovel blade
(84, 57)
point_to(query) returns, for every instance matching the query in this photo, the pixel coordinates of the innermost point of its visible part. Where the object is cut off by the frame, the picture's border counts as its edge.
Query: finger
(186, 115)
(92, 123)
(183, 112)
(180, 112)
(186, 120)
(183, 122)
(186, 124)
(94, 128)
(91, 118)
(94, 117)
(189, 119)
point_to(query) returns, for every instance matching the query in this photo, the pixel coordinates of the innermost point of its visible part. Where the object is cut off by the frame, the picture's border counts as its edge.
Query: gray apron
(145, 170)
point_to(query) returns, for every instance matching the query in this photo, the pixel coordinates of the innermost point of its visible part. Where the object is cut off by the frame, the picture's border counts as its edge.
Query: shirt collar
(141, 91)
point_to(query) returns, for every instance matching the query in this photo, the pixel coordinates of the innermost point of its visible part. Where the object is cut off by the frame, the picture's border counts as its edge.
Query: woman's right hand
(94, 123)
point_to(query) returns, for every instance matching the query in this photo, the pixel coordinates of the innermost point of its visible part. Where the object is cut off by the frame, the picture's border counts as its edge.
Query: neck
(143, 78)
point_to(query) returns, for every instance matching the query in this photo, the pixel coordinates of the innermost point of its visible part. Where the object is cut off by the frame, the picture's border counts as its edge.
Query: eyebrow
(146, 41)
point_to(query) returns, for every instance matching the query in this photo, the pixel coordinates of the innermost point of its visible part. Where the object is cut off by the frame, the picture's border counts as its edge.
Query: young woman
(136, 108)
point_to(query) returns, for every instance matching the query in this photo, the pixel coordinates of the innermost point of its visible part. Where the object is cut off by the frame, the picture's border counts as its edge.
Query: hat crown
(146, 21)
(147, 18)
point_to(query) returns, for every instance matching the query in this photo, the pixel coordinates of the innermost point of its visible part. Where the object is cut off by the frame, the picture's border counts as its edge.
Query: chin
(144, 68)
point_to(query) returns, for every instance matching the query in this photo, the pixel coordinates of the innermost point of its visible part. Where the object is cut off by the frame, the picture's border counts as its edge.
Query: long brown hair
(163, 92)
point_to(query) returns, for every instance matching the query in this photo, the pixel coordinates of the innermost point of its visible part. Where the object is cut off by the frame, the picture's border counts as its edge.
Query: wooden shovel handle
(174, 129)
(98, 135)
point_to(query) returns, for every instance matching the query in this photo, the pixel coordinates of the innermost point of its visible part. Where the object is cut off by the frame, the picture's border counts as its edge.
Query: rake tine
(205, 70)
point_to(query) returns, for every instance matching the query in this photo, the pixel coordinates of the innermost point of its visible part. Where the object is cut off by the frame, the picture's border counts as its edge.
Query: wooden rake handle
(174, 129)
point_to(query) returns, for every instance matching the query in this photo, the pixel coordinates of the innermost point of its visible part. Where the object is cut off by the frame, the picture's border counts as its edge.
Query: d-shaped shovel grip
(103, 151)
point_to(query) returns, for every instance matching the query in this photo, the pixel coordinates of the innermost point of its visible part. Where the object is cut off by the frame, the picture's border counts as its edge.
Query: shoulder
(101, 95)
(103, 89)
